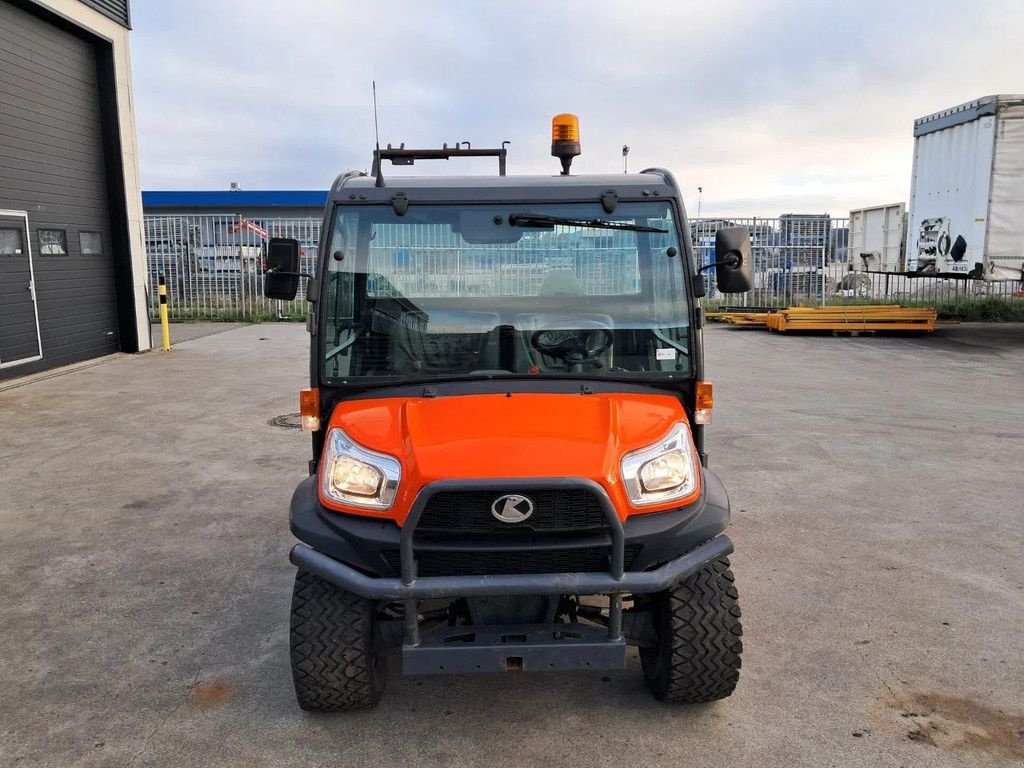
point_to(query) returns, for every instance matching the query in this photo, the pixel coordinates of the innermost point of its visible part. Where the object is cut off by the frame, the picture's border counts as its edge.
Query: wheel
(334, 665)
(697, 658)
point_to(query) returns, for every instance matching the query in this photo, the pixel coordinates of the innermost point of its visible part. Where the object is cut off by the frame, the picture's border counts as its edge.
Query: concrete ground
(877, 494)
(182, 332)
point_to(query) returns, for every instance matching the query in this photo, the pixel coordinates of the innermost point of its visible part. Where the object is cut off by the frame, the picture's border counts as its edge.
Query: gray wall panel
(114, 9)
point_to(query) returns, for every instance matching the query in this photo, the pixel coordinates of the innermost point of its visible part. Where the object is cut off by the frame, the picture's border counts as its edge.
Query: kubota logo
(512, 508)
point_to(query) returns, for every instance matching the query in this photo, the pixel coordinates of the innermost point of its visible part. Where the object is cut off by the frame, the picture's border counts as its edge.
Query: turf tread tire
(333, 664)
(698, 656)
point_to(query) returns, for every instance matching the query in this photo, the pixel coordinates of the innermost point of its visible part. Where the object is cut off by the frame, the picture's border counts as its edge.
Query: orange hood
(499, 436)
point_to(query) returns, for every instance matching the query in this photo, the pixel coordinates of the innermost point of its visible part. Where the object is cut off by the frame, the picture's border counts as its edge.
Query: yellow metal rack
(842, 319)
(853, 319)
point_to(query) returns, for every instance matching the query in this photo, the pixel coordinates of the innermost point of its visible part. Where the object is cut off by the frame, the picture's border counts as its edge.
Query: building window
(53, 242)
(91, 243)
(10, 242)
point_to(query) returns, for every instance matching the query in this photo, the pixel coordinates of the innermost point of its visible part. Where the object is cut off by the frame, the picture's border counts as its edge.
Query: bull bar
(537, 647)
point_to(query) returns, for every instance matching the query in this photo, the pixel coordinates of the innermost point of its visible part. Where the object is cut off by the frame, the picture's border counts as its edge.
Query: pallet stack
(746, 319)
(853, 319)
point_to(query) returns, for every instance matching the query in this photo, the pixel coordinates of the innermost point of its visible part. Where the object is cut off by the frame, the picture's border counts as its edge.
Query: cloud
(770, 106)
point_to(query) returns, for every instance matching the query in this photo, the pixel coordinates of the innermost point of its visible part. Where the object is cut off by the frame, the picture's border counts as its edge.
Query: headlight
(358, 478)
(354, 475)
(665, 471)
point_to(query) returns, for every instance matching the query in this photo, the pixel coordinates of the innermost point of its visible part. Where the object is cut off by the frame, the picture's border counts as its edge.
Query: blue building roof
(286, 198)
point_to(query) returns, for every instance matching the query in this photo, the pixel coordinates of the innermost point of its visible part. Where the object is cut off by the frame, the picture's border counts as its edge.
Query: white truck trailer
(876, 238)
(966, 214)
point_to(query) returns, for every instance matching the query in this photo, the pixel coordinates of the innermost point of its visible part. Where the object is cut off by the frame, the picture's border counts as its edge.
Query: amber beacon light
(565, 139)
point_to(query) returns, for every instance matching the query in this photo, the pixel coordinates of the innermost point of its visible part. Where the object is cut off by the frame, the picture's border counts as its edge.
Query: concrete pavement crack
(156, 729)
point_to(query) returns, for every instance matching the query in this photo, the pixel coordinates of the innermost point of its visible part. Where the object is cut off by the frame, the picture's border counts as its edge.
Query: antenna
(376, 136)
(376, 130)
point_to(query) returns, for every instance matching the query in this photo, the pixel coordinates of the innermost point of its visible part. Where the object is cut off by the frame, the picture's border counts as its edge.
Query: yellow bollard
(165, 328)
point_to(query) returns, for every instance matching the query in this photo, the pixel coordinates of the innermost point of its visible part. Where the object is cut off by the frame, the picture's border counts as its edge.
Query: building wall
(246, 212)
(112, 9)
(252, 204)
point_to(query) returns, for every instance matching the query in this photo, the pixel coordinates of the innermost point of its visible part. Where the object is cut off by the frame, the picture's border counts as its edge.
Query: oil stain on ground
(953, 723)
(153, 502)
(210, 694)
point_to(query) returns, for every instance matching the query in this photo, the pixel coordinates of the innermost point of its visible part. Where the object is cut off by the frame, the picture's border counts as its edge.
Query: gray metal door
(19, 319)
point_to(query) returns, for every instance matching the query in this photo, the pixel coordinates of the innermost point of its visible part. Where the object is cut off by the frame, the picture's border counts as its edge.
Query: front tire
(334, 665)
(697, 657)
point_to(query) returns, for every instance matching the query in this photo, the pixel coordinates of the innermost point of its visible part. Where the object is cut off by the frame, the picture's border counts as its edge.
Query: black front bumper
(631, 582)
(349, 551)
(366, 546)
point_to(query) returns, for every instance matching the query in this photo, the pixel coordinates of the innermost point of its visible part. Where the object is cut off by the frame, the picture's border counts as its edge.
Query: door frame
(31, 287)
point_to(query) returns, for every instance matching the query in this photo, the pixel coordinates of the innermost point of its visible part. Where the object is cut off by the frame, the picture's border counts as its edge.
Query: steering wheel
(575, 346)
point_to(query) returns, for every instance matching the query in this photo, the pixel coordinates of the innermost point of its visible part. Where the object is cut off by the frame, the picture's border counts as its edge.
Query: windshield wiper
(543, 221)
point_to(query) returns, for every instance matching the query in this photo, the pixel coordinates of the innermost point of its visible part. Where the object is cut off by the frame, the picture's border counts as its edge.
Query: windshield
(451, 291)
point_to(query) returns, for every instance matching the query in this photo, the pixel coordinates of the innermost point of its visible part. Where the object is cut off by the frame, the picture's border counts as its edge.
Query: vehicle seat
(561, 282)
(528, 356)
(444, 341)
(557, 282)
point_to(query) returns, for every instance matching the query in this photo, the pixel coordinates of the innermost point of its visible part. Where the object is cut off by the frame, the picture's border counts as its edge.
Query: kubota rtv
(507, 406)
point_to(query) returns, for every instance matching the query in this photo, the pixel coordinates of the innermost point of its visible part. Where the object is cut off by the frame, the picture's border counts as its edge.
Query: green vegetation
(982, 311)
(966, 310)
(990, 310)
(987, 310)
(231, 316)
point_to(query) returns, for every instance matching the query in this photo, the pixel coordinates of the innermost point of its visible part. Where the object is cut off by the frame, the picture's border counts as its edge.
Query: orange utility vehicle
(507, 406)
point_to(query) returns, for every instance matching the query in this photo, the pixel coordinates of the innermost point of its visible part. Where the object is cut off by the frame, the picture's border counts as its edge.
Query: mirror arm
(273, 271)
(732, 261)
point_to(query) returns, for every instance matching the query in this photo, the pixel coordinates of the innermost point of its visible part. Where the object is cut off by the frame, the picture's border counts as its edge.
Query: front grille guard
(407, 553)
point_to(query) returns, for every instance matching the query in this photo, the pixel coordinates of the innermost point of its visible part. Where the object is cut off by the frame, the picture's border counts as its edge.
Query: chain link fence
(214, 266)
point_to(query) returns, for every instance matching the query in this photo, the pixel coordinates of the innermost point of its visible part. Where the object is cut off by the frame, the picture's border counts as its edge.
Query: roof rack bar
(403, 156)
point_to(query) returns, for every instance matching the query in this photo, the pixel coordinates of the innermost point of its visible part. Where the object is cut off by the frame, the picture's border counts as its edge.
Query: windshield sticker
(665, 354)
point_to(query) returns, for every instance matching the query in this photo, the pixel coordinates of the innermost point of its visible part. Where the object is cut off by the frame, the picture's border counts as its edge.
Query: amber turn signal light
(309, 409)
(705, 401)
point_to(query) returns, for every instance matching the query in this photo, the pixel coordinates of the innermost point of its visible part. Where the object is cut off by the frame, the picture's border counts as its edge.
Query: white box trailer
(228, 258)
(876, 238)
(967, 191)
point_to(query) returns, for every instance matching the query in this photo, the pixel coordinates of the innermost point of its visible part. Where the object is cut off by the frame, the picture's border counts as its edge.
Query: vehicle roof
(650, 183)
(965, 113)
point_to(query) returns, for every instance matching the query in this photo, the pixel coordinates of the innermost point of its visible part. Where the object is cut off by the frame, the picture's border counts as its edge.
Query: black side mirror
(734, 264)
(281, 277)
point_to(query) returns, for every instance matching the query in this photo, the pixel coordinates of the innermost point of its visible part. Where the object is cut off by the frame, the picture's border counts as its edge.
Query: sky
(769, 106)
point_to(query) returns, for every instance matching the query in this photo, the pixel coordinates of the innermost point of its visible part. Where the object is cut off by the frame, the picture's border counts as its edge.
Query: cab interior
(397, 336)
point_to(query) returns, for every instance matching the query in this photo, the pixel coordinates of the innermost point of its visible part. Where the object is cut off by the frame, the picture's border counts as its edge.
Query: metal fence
(805, 260)
(214, 266)
(431, 260)
(794, 257)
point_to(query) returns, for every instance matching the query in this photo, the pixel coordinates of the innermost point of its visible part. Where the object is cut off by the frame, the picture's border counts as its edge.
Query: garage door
(52, 169)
